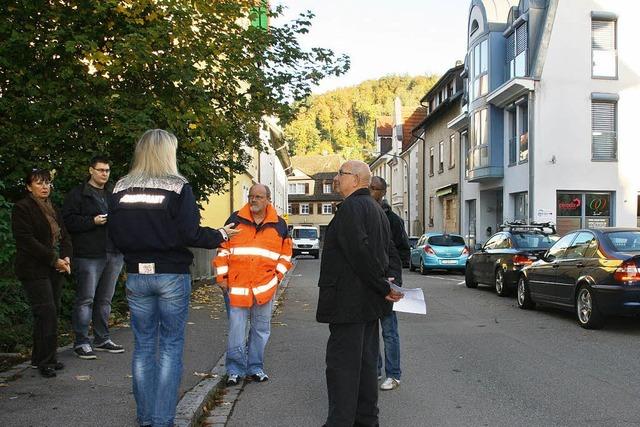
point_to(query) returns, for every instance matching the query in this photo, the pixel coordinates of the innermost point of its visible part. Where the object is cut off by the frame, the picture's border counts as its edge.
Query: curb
(191, 407)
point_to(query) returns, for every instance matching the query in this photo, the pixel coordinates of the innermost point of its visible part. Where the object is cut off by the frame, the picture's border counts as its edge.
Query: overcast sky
(386, 36)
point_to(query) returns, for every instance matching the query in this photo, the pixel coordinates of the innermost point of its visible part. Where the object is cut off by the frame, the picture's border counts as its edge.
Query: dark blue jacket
(155, 221)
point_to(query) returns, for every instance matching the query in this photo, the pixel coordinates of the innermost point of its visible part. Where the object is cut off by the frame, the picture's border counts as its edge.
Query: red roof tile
(384, 125)
(411, 120)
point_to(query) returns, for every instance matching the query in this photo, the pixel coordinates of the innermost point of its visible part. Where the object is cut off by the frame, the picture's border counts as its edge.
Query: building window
(523, 131)
(604, 54)
(431, 209)
(304, 209)
(464, 144)
(289, 209)
(583, 210)
(479, 150)
(479, 69)
(327, 209)
(452, 151)
(517, 52)
(513, 131)
(441, 157)
(603, 130)
(521, 206)
(327, 188)
(298, 188)
(431, 160)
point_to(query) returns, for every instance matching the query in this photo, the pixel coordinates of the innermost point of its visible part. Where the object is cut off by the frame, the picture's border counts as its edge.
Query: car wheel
(501, 288)
(423, 270)
(589, 317)
(523, 296)
(468, 278)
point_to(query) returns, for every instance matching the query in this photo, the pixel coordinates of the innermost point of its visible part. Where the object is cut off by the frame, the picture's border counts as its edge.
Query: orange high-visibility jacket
(254, 260)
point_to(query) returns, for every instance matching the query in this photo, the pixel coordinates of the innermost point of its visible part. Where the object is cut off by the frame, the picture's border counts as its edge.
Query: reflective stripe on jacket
(254, 260)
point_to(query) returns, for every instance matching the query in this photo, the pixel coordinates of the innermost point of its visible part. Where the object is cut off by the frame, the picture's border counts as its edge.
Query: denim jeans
(389, 324)
(246, 356)
(95, 284)
(159, 305)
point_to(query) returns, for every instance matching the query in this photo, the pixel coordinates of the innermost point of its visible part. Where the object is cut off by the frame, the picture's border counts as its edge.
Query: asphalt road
(474, 360)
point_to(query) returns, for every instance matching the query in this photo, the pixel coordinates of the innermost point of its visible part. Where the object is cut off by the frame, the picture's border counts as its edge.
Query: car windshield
(625, 241)
(446, 240)
(533, 240)
(305, 233)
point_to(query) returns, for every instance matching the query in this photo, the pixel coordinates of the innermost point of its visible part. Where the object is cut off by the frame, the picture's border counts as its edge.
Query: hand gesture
(100, 219)
(230, 230)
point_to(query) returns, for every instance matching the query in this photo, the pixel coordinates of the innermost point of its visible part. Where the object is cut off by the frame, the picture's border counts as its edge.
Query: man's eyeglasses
(102, 170)
(341, 172)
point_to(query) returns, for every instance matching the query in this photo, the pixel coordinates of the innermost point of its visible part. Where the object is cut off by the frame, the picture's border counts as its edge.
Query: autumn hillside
(342, 121)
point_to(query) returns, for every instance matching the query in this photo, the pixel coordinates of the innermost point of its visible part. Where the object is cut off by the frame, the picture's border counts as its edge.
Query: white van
(306, 240)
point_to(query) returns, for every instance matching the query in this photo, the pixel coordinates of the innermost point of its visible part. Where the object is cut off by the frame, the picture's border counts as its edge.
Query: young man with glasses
(96, 260)
(389, 323)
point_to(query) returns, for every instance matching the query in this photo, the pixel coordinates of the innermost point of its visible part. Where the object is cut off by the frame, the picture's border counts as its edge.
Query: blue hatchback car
(439, 251)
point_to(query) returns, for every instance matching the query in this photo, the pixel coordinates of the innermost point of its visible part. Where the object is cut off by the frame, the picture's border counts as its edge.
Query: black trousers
(352, 374)
(44, 297)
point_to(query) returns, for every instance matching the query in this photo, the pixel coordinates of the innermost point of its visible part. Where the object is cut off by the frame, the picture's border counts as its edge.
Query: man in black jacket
(97, 263)
(354, 294)
(389, 323)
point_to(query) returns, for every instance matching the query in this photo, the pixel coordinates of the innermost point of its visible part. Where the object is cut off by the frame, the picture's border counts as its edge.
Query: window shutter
(511, 47)
(319, 207)
(306, 188)
(521, 39)
(603, 128)
(310, 208)
(295, 209)
(603, 35)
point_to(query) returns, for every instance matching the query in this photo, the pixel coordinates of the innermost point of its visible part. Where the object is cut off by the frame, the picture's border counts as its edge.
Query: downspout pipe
(424, 175)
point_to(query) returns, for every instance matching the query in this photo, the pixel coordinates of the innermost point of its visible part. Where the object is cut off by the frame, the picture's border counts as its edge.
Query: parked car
(439, 251)
(594, 272)
(500, 259)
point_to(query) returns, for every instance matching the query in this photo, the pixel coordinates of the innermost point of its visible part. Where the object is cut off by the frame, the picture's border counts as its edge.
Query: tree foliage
(84, 76)
(343, 120)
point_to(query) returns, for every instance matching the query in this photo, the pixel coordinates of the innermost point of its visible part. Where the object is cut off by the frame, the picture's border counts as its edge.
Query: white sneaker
(390, 384)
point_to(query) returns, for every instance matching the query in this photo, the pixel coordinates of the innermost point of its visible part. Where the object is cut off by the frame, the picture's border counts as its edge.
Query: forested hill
(342, 121)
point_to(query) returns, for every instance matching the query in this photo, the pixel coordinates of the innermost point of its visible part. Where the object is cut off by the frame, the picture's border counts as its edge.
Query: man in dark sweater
(354, 294)
(389, 323)
(97, 263)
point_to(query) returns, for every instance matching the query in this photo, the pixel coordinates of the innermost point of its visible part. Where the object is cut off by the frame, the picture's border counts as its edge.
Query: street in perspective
(474, 360)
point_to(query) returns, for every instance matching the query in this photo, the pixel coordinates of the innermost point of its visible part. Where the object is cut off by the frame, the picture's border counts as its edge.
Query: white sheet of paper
(412, 302)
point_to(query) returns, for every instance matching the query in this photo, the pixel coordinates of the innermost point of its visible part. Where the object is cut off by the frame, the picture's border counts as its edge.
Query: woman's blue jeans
(159, 305)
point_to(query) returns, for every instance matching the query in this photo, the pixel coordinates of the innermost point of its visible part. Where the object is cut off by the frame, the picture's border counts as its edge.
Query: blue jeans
(391, 340)
(159, 305)
(96, 280)
(246, 357)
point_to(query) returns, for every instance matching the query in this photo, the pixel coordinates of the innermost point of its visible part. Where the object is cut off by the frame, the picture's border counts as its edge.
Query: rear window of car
(533, 240)
(446, 240)
(625, 241)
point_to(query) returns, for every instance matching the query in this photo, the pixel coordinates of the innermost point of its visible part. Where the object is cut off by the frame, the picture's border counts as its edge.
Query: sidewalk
(98, 392)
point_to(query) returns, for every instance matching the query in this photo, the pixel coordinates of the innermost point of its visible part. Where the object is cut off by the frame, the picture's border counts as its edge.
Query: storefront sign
(598, 222)
(544, 215)
(569, 204)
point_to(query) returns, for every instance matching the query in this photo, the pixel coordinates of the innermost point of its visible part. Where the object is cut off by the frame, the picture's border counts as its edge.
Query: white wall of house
(562, 116)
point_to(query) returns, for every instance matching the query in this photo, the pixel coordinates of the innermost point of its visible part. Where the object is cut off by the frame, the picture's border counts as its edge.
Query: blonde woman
(153, 218)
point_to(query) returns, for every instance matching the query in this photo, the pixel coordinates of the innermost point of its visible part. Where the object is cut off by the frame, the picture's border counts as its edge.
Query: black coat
(355, 262)
(79, 210)
(402, 251)
(35, 256)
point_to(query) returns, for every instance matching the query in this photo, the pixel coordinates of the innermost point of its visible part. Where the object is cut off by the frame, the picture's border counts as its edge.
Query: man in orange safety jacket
(249, 267)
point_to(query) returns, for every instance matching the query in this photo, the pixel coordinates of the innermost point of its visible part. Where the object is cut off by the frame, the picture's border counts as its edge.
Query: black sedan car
(595, 272)
(500, 259)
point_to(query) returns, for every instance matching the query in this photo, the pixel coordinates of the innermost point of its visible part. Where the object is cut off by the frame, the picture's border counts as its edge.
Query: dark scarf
(50, 214)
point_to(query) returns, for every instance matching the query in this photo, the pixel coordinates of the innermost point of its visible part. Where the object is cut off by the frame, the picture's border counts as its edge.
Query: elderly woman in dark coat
(43, 248)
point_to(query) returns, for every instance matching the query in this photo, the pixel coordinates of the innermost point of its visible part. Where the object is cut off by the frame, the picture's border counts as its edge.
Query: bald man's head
(353, 175)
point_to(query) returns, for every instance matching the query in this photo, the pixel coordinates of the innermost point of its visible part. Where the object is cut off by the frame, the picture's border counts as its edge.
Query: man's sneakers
(110, 347)
(390, 384)
(85, 352)
(233, 380)
(260, 377)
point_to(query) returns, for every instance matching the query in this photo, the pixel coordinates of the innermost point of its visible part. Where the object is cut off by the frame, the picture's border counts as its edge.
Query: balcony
(478, 166)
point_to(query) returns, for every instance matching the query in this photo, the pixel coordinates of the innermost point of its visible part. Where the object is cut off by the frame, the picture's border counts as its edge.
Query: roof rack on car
(542, 227)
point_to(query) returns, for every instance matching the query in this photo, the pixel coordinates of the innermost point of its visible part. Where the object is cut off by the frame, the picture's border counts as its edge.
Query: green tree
(84, 76)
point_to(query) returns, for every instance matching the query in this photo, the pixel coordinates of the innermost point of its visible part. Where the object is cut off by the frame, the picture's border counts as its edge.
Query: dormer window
(474, 27)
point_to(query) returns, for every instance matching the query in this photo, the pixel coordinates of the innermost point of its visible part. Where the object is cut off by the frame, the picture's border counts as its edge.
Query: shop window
(583, 210)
